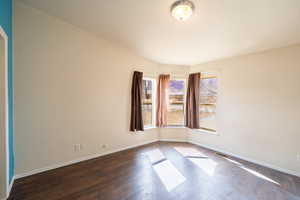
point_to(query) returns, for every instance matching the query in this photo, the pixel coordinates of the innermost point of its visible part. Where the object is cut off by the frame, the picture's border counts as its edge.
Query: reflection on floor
(198, 158)
(189, 152)
(232, 161)
(160, 171)
(207, 165)
(255, 173)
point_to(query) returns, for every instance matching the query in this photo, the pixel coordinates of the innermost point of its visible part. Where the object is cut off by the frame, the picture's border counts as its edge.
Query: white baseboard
(173, 140)
(63, 164)
(36, 171)
(287, 171)
(10, 186)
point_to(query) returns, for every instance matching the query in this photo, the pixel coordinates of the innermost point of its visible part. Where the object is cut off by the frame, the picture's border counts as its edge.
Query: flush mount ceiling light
(182, 9)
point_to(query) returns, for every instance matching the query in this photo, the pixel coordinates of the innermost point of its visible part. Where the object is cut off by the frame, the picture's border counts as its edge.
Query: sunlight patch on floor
(259, 175)
(233, 161)
(255, 173)
(189, 152)
(207, 165)
(169, 175)
(155, 156)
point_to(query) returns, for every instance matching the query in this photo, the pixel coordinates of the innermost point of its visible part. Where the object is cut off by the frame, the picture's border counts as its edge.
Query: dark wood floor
(130, 175)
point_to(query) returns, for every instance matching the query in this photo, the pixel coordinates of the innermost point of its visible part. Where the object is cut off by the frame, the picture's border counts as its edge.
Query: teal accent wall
(6, 12)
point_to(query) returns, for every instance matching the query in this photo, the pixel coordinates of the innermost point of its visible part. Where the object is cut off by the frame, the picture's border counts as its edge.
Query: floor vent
(221, 154)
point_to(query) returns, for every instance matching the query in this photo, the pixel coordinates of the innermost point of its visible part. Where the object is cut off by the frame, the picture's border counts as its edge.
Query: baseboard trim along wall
(264, 164)
(10, 186)
(173, 140)
(63, 164)
(36, 171)
(44, 169)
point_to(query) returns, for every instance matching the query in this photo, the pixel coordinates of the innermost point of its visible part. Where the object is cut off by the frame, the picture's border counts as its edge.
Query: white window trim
(6, 111)
(154, 103)
(153, 80)
(203, 130)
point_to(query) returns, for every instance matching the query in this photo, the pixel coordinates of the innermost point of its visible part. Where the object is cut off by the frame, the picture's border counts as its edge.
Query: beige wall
(258, 107)
(73, 88)
(70, 88)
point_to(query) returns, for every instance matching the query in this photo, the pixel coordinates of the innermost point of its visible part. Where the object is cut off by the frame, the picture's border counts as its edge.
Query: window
(208, 100)
(176, 102)
(148, 102)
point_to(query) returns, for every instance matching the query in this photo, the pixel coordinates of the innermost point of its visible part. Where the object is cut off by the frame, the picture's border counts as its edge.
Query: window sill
(149, 128)
(145, 130)
(203, 131)
(174, 126)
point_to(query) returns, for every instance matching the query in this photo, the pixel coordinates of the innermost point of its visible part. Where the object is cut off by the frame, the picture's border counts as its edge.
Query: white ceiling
(218, 29)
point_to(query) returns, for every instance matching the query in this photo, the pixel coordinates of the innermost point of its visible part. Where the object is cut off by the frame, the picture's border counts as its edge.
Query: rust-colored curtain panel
(162, 100)
(192, 101)
(136, 119)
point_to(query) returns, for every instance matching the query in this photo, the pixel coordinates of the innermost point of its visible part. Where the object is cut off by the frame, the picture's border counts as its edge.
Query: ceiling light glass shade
(182, 9)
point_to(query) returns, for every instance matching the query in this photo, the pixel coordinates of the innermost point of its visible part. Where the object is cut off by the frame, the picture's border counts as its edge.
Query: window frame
(184, 103)
(204, 129)
(153, 125)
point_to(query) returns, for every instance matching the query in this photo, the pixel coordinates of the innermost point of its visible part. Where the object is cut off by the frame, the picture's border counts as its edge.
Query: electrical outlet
(298, 157)
(104, 146)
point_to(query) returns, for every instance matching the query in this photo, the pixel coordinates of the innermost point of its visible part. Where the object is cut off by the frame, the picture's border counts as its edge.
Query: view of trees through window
(147, 102)
(176, 102)
(208, 100)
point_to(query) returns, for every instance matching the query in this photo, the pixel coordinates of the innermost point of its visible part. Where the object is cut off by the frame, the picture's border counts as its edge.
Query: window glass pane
(176, 102)
(208, 100)
(147, 102)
